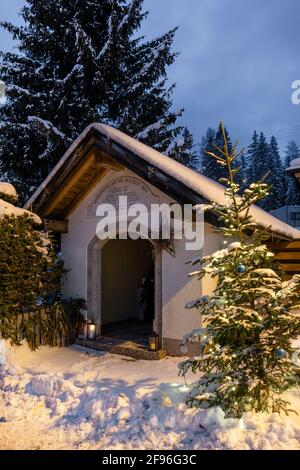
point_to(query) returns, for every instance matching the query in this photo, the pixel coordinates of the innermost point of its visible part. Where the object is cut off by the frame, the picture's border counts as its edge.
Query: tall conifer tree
(277, 176)
(206, 166)
(209, 167)
(80, 62)
(220, 171)
(251, 158)
(260, 163)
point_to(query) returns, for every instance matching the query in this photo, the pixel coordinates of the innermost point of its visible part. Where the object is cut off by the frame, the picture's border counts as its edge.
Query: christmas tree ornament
(241, 268)
(280, 353)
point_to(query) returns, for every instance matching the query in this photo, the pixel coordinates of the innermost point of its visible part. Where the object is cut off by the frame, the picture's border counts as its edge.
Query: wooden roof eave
(95, 145)
(102, 152)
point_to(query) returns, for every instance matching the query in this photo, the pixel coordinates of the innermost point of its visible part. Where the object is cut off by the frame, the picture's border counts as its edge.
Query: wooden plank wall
(288, 255)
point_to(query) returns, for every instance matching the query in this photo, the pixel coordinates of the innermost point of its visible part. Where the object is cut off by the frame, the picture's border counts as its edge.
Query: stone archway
(95, 275)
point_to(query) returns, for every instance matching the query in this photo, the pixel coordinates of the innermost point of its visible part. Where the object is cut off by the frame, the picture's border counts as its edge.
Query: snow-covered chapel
(100, 165)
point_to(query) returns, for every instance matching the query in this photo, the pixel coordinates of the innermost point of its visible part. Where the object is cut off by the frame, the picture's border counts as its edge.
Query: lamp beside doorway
(153, 342)
(91, 330)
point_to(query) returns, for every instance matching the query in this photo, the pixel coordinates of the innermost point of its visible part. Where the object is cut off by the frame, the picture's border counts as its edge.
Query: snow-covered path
(75, 399)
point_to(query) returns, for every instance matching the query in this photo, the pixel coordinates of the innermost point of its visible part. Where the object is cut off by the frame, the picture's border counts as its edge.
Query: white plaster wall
(82, 229)
(178, 288)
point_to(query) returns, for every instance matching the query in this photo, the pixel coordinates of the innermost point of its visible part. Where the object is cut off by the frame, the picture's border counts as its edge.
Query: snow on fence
(52, 325)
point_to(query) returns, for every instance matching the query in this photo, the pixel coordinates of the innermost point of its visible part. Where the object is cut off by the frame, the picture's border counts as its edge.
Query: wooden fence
(53, 325)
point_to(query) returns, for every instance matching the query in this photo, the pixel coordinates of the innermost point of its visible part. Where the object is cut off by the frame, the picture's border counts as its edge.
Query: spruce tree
(292, 187)
(258, 157)
(251, 158)
(207, 167)
(81, 62)
(241, 164)
(182, 149)
(246, 357)
(213, 139)
(277, 177)
(261, 160)
(220, 171)
(260, 166)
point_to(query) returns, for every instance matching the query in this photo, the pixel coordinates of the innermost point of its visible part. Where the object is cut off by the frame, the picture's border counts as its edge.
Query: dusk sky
(238, 61)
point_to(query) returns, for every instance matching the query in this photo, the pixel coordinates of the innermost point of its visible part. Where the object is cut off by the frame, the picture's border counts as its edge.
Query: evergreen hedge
(29, 272)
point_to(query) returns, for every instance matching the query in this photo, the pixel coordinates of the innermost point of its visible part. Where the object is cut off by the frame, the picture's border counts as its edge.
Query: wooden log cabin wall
(288, 255)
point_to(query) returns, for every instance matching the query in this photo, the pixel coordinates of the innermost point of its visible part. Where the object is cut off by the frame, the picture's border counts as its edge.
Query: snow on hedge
(8, 189)
(75, 399)
(7, 209)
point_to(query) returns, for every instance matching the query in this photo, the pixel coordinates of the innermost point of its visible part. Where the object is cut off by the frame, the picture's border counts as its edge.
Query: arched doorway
(127, 289)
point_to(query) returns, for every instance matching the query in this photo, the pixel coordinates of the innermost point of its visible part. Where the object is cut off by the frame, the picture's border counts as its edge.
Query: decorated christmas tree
(246, 359)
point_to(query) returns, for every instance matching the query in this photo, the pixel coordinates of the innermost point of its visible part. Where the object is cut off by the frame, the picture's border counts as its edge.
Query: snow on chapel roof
(201, 185)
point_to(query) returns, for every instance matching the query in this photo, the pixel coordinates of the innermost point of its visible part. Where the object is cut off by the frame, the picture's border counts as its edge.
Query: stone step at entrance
(122, 347)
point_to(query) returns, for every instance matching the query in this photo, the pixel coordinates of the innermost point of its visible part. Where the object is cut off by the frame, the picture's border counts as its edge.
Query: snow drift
(75, 399)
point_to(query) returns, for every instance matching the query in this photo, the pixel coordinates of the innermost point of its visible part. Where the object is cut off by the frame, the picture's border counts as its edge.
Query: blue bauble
(280, 353)
(241, 268)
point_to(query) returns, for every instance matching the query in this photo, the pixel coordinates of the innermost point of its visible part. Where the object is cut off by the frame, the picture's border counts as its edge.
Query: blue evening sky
(238, 61)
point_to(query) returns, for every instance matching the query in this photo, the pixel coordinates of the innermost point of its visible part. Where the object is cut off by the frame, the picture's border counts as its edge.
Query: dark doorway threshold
(128, 330)
(127, 338)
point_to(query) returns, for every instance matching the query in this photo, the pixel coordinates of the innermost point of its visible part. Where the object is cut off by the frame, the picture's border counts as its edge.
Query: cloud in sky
(238, 61)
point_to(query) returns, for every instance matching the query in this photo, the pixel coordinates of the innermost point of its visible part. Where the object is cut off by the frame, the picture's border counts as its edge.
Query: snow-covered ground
(75, 399)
